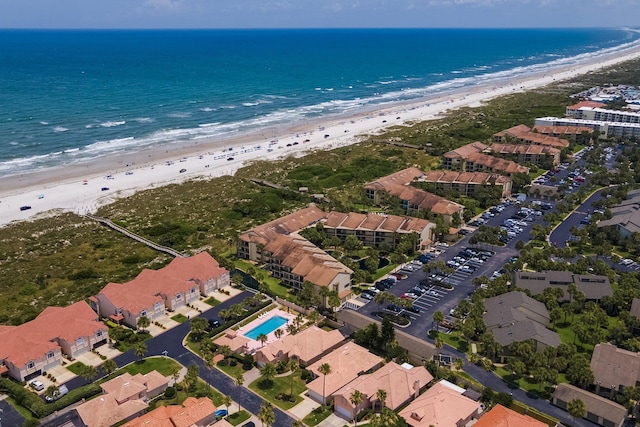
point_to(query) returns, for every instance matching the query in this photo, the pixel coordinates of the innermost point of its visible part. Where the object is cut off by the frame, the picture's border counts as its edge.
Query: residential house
(40, 344)
(522, 134)
(234, 340)
(515, 317)
(625, 218)
(441, 405)
(201, 269)
(376, 229)
(601, 411)
(124, 397)
(122, 303)
(400, 382)
(347, 362)
(467, 183)
(412, 199)
(614, 368)
(541, 155)
(499, 416)
(305, 347)
(194, 412)
(593, 287)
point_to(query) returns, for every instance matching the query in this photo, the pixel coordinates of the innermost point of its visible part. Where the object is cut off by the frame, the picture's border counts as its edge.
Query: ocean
(68, 96)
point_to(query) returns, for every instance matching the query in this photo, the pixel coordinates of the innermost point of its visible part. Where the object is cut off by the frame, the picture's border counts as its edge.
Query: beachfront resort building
(400, 382)
(123, 398)
(606, 129)
(576, 110)
(37, 346)
(154, 291)
(594, 287)
(579, 134)
(540, 155)
(515, 317)
(378, 229)
(473, 158)
(441, 405)
(522, 134)
(467, 183)
(411, 199)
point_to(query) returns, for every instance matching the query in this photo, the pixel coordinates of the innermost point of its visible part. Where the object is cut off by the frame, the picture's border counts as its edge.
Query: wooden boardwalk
(134, 236)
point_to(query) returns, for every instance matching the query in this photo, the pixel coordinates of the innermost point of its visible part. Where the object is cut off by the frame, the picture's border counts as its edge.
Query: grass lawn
(180, 318)
(163, 365)
(455, 340)
(212, 301)
(232, 371)
(281, 385)
(76, 368)
(318, 415)
(200, 390)
(238, 417)
(384, 271)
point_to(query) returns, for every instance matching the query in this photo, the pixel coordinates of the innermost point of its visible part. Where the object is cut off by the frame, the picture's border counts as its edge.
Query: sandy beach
(84, 187)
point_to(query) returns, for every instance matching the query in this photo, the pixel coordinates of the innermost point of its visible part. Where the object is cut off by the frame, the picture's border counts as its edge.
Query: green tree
(577, 409)
(191, 377)
(198, 327)
(266, 414)
(89, 372)
(268, 372)
(293, 367)
(324, 369)
(140, 350)
(438, 317)
(239, 381)
(381, 394)
(387, 332)
(52, 391)
(262, 338)
(109, 366)
(356, 398)
(226, 401)
(143, 323)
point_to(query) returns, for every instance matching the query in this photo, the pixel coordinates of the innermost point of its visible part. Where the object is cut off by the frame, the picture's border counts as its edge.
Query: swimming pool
(266, 327)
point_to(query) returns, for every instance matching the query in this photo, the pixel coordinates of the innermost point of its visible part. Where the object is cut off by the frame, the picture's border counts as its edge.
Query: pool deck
(254, 345)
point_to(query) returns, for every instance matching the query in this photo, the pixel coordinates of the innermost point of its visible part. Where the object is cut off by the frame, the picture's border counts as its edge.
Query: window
(80, 341)
(31, 365)
(50, 355)
(143, 313)
(178, 296)
(99, 334)
(193, 290)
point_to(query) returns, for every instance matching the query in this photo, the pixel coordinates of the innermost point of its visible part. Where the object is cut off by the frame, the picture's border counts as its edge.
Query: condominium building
(607, 129)
(523, 153)
(473, 158)
(522, 134)
(580, 134)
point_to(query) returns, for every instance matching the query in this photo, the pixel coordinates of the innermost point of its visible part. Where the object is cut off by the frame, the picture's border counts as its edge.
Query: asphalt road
(559, 237)
(171, 341)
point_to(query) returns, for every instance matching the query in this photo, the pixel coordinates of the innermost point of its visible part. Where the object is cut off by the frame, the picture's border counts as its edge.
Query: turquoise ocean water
(68, 96)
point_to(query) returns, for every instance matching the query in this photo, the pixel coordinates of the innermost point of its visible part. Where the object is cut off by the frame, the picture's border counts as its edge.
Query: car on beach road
(183, 170)
(105, 189)
(25, 208)
(229, 159)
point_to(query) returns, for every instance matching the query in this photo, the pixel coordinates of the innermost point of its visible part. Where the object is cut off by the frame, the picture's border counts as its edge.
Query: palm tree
(438, 343)
(140, 350)
(356, 398)
(266, 414)
(239, 380)
(143, 323)
(576, 409)
(438, 317)
(226, 401)
(225, 350)
(209, 363)
(297, 423)
(198, 326)
(381, 394)
(89, 372)
(225, 314)
(52, 391)
(293, 367)
(268, 372)
(278, 333)
(262, 338)
(109, 366)
(324, 369)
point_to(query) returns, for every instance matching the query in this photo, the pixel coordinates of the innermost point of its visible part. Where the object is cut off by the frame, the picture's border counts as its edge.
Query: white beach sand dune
(82, 188)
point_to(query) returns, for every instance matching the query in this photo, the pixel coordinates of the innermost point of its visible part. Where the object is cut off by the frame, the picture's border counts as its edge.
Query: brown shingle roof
(466, 150)
(562, 130)
(613, 365)
(372, 222)
(464, 177)
(523, 149)
(595, 404)
(496, 163)
(287, 224)
(525, 134)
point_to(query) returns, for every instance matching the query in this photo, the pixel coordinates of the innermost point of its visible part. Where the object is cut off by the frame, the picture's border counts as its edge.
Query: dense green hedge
(37, 406)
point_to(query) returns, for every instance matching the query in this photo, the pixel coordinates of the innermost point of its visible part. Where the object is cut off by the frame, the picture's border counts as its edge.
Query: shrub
(170, 393)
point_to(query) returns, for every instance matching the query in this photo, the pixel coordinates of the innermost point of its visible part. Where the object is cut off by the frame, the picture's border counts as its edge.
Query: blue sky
(316, 13)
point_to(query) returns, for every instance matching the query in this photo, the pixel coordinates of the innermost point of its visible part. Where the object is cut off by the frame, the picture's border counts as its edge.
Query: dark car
(213, 323)
(413, 309)
(229, 158)
(183, 170)
(25, 208)
(105, 188)
(394, 308)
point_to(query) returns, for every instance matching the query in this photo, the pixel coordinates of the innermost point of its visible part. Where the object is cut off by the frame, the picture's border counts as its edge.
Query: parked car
(410, 295)
(25, 208)
(221, 413)
(62, 390)
(213, 323)
(36, 385)
(413, 309)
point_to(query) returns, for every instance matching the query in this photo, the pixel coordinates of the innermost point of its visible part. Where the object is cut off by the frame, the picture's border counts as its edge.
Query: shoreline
(83, 187)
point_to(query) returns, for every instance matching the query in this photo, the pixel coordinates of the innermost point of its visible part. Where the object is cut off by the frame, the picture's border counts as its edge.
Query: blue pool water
(266, 327)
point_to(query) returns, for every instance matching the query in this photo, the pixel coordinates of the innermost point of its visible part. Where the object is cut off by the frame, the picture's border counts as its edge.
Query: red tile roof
(287, 224)
(499, 416)
(129, 297)
(199, 268)
(525, 134)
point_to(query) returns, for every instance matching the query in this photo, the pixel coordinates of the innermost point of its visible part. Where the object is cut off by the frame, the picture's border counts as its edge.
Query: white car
(37, 385)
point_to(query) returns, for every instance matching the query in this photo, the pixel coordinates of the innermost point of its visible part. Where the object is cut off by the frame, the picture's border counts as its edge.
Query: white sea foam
(207, 109)
(180, 115)
(143, 120)
(60, 129)
(44, 123)
(112, 124)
